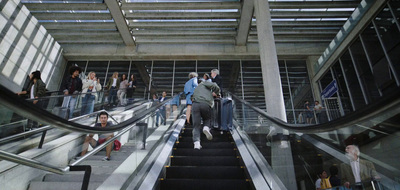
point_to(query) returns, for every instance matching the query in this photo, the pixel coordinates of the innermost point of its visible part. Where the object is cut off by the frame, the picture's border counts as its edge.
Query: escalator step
(205, 161)
(204, 152)
(203, 138)
(205, 172)
(206, 145)
(202, 184)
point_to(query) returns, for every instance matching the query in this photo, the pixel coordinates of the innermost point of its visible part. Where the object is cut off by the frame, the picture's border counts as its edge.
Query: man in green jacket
(203, 101)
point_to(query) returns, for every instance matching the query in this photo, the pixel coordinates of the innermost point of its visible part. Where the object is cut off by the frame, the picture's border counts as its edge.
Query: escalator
(217, 165)
(261, 152)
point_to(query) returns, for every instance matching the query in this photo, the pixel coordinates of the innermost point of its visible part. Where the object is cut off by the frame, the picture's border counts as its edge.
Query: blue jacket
(190, 85)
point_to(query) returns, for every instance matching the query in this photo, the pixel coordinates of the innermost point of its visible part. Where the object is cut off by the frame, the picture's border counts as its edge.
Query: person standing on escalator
(203, 101)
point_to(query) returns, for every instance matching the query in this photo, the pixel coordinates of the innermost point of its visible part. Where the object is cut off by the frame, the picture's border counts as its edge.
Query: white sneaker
(206, 131)
(197, 145)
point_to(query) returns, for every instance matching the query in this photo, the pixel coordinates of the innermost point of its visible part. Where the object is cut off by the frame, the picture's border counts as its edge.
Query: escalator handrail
(29, 110)
(390, 101)
(41, 129)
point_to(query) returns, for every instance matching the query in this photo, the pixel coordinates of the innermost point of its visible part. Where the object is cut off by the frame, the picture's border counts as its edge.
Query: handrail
(30, 111)
(41, 129)
(126, 126)
(391, 101)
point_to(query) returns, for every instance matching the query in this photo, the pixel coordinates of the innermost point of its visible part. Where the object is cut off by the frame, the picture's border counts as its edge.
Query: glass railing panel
(377, 139)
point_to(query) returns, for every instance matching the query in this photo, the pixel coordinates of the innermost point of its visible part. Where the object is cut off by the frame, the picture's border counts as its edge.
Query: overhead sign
(330, 90)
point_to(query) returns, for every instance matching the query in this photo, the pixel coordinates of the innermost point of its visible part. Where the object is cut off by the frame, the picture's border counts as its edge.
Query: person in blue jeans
(162, 111)
(190, 85)
(71, 87)
(113, 86)
(90, 84)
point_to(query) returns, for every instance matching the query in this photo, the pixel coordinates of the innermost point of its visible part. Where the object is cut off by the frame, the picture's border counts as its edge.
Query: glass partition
(299, 157)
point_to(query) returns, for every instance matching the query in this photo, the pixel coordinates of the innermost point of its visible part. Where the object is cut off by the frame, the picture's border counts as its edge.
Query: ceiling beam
(313, 4)
(183, 33)
(183, 15)
(180, 6)
(245, 22)
(310, 14)
(79, 25)
(89, 41)
(65, 6)
(236, 5)
(67, 32)
(72, 16)
(193, 40)
(221, 24)
(120, 21)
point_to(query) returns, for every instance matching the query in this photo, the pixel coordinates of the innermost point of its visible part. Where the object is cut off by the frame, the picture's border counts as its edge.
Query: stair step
(205, 172)
(209, 184)
(204, 152)
(206, 145)
(205, 161)
(78, 177)
(37, 185)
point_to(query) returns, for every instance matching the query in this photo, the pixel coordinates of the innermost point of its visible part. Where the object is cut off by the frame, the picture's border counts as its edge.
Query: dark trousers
(200, 111)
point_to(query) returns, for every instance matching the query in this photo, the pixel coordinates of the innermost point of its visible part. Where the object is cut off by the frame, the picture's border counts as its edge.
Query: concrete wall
(25, 46)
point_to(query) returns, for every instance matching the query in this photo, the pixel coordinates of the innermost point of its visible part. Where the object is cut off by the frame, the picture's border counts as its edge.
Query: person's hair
(305, 101)
(316, 101)
(115, 75)
(103, 113)
(356, 149)
(207, 76)
(192, 75)
(155, 95)
(333, 170)
(320, 172)
(36, 75)
(90, 74)
(215, 71)
(132, 76)
(122, 77)
(74, 68)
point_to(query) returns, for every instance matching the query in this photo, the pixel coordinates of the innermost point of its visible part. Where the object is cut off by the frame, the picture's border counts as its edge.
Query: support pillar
(282, 160)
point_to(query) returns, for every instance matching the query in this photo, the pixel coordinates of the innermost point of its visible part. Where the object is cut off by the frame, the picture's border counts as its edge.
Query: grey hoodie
(203, 93)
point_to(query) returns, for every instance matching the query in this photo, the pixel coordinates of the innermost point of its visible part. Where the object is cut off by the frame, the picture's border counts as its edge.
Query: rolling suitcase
(221, 116)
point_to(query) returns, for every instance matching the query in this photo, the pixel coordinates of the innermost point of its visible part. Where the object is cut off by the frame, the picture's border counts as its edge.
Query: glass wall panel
(229, 71)
(285, 91)
(300, 88)
(364, 70)
(137, 67)
(395, 5)
(182, 70)
(163, 76)
(253, 83)
(205, 66)
(381, 71)
(342, 88)
(352, 81)
(326, 80)
(390, 34)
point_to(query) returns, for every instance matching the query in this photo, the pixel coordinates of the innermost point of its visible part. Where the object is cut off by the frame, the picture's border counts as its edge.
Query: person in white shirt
(90, 84)
(318, 109)
(122, 90)
(358, 170)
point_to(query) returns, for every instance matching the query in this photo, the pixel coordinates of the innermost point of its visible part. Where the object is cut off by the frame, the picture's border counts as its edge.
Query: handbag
(117, 145)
